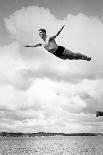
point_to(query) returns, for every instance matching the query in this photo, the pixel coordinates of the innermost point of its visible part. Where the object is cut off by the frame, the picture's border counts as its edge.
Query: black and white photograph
(51, 77)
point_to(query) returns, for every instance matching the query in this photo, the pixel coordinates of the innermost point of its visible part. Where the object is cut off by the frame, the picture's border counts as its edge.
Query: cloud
(39, 91)
(31, 17)
(10, 63)
(79, 35)
(48, 105)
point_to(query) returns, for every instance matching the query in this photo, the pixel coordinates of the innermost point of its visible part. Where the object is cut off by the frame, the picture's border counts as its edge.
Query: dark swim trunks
(59, 51)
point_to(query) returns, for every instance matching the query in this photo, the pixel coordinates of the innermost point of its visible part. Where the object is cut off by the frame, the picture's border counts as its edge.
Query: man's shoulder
(52, 37)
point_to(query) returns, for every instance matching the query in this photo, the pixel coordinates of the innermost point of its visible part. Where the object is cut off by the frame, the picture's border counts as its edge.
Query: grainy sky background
(39, 92)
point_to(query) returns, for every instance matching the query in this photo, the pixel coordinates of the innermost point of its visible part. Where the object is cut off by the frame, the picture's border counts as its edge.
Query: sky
(38, 91)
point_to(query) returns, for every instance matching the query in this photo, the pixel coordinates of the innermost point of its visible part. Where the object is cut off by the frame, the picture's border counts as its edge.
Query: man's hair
(43, 30)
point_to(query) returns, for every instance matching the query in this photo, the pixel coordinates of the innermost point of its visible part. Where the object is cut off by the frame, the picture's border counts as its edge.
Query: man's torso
(50, 45)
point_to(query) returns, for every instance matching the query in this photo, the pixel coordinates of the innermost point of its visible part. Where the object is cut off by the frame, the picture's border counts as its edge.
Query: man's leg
(81, 56)
(75, 56)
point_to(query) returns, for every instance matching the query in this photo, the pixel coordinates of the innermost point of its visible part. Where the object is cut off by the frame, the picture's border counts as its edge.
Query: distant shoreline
(19, 134)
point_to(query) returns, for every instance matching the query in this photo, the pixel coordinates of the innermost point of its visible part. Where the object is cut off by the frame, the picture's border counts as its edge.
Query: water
(57, 145)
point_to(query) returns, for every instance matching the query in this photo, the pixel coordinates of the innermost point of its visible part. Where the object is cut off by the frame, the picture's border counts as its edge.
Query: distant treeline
(19, 134)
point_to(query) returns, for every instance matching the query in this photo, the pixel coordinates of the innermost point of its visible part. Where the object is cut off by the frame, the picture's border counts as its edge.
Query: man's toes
(87, 58)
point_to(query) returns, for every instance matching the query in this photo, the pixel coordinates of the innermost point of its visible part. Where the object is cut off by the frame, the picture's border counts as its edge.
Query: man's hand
(62, 27)
(28, 46)
(60, 30)
(39, 44)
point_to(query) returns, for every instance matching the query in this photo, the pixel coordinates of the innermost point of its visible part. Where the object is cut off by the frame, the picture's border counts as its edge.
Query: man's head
(42, 32)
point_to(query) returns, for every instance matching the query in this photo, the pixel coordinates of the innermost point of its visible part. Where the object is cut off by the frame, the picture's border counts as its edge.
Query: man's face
(42, 34)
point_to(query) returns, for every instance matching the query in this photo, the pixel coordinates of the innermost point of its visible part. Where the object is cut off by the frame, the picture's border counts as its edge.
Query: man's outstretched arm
(53, 37)
(39, 44)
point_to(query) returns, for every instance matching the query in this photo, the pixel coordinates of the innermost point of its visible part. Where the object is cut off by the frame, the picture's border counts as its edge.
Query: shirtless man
(51, 46)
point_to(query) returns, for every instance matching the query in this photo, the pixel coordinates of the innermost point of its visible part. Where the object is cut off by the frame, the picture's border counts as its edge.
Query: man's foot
(87, 58)
(97, 114)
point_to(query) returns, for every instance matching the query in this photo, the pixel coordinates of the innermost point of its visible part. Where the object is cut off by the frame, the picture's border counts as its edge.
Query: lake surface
(57, 145)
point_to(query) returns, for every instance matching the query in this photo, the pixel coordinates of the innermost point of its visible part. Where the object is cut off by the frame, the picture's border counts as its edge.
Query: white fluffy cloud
(81, 34)
(39, 92)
